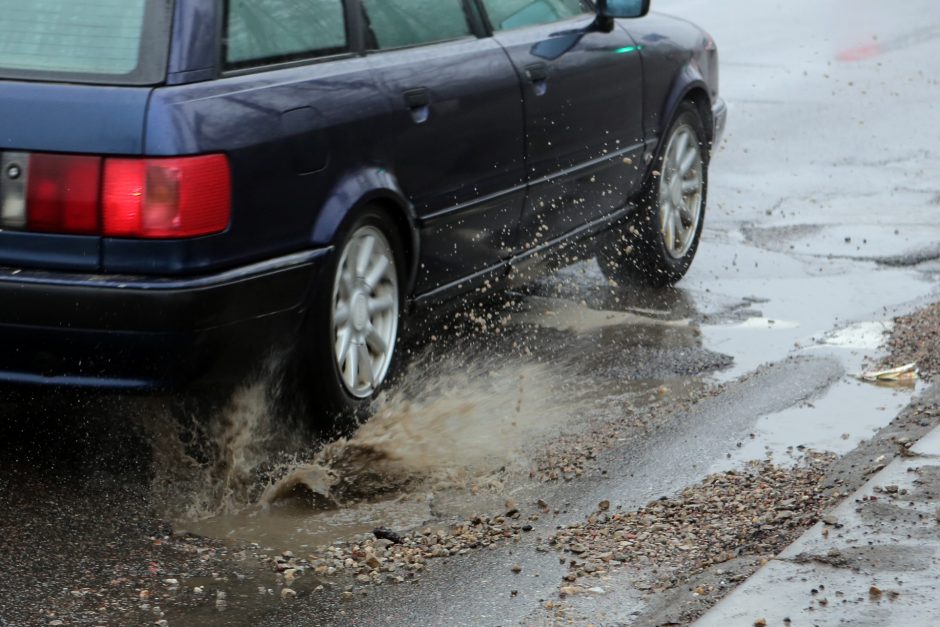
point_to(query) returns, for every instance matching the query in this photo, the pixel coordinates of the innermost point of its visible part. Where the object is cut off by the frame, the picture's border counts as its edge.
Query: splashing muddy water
(453, 429)
(464, 429)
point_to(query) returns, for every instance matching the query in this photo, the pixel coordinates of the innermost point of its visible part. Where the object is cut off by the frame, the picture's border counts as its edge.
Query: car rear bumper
(144, 333)
(720, 120)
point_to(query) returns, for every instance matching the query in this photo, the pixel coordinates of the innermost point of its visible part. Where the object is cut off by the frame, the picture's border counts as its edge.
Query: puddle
(457, 436)
(297, 525)
(850, 412)
(565, 315)
(869, 336)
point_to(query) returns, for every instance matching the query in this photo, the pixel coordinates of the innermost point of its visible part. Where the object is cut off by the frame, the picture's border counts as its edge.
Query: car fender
(689, 78)
(365, 186)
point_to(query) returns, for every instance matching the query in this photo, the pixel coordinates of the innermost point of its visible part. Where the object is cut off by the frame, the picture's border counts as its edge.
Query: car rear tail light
(163, 198)
(166, 198)
(62, 194)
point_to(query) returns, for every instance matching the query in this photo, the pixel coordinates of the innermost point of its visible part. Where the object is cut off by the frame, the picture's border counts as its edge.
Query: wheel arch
(371, 187)
(689, 85)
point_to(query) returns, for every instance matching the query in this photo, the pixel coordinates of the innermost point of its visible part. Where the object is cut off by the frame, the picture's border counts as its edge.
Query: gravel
(755, 511)
(916, 338)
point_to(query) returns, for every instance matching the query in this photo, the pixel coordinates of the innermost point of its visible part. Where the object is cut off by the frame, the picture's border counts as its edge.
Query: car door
(583, 107)
(454, 132)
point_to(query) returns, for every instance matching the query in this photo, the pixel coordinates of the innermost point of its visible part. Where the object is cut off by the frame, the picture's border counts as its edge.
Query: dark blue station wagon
(183, 182)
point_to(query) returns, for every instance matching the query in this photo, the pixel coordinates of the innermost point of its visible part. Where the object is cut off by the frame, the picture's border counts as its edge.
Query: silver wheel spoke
(346, 283)
(688, 161)
(690, 186)
(681, 144)
(364, 255)
(377, 272)
(376, 341)
(352, 366)
(341, 316)
(380, 304)
(365, 365)
(684, 215)
(669, 229)
(681, 232)
(342, 346)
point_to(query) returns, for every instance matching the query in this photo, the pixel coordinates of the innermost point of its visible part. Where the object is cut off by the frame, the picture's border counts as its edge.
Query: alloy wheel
(680, 191)
(365, 311)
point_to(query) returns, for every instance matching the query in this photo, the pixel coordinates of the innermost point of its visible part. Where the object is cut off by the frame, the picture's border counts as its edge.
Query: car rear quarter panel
(286, 133)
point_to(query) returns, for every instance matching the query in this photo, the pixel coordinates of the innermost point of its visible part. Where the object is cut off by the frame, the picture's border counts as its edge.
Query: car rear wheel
(364, 321)
(660, 241)
(348, 345)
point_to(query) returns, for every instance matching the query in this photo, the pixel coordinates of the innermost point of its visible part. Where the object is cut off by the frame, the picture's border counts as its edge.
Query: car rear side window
(511, 14)
(402, 23)
(262, 32)
(121, 41)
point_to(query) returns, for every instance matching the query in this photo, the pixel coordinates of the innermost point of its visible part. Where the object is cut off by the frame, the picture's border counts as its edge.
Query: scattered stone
(756, 511)
(516, 568)
(288, 593)
(171, 582)
(387, 534)
(874, 591)
(760, 622)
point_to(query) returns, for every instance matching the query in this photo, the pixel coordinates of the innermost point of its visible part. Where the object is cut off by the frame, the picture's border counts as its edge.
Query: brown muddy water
(461, 432)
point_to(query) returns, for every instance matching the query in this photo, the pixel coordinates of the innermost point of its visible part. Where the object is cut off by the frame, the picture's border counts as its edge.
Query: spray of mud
(460, 424)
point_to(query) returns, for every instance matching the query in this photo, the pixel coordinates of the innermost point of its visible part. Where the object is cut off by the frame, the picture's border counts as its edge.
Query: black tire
(638, 252)
(314, 377)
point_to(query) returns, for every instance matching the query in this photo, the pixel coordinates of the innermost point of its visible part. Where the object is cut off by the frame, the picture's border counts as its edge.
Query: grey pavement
(873, 560)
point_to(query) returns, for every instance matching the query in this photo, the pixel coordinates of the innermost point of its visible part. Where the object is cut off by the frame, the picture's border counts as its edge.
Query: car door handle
(537, 73)
(419, 102)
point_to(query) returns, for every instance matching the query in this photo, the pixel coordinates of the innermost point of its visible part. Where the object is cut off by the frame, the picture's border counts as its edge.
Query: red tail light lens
(62, 194)
(166, 198)
(177, 197)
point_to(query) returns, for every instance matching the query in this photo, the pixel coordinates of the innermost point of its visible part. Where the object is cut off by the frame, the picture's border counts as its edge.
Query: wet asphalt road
(822, 227)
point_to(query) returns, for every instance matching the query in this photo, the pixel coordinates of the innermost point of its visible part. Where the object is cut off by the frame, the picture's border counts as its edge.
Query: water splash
(463, 422)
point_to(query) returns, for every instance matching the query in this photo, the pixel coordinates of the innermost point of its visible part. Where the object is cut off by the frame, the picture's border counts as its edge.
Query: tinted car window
(269, 31)
(400, 23)
(86, 40)
(509, 14)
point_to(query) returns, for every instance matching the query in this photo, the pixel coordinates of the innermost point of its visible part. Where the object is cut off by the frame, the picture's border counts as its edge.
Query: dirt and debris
(916, 338)
(755, 511)
(901, 375)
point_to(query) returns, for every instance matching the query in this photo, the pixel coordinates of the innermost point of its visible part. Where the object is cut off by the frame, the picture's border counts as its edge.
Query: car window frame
(472, 14)
(356, 38)
(352, 49)
(491, 30)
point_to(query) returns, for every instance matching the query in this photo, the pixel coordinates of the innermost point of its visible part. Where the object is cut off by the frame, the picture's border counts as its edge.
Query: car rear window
(107, 41)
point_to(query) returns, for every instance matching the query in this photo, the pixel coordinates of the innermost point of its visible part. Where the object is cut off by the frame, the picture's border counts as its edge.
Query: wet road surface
(822, 228)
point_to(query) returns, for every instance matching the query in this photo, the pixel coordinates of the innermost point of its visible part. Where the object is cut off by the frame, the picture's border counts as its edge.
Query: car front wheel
(660, 241)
